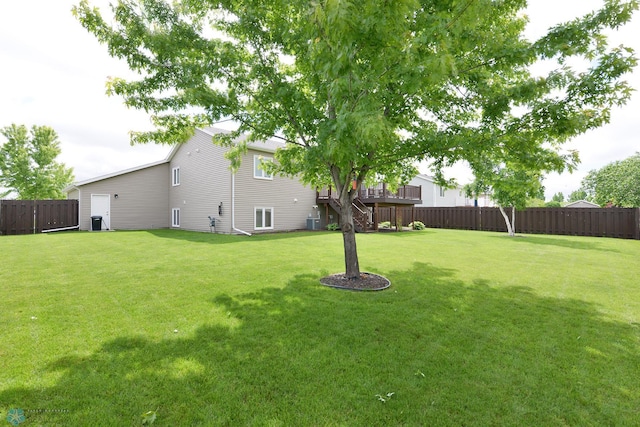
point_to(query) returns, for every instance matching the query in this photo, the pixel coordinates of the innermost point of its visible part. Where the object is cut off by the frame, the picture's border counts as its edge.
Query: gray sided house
(194, 188)
(434, 195)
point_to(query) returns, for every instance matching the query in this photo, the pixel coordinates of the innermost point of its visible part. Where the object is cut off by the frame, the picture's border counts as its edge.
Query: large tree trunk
(506, 220)
(346, 196)
(352, 267)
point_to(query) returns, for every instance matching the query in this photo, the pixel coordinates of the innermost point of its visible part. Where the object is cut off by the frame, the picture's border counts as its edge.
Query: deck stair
(361, 214)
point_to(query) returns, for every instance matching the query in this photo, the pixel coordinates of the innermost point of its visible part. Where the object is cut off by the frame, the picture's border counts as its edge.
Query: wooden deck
(368, 202)
(379, 195)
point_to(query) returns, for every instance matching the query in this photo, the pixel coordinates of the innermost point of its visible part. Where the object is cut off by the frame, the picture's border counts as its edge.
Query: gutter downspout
(73, 227)
(233, 206)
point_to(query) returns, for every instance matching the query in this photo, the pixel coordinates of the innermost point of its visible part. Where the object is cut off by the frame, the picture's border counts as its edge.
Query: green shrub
(417, 225)
(384, 224)
(333, 226)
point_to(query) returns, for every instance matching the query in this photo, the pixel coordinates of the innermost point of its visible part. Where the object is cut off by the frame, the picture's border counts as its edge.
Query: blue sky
(53, 73)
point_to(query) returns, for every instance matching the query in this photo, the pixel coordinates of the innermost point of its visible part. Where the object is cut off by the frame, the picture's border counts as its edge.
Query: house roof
(582, 204)
(268, 146)
(432, 179)
(75, 185)
(425, 177)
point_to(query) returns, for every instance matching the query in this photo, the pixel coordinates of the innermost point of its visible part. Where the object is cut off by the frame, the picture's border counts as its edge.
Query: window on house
(175, 217)
(258, 171)
(263, 218)
(175, 176)
(442, 191)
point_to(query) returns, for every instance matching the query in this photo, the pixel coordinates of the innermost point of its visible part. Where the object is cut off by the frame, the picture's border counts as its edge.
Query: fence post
(35, 219)
(637, 224)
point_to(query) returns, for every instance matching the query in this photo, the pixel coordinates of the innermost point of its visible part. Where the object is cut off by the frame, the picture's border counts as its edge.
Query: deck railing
(380, 191)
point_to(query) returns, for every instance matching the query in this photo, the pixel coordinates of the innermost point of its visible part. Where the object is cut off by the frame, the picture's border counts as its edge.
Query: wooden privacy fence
(623, 223)
(36, 216)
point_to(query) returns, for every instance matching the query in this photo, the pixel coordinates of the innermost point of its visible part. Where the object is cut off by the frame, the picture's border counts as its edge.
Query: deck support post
(398, 218)
(375, 216)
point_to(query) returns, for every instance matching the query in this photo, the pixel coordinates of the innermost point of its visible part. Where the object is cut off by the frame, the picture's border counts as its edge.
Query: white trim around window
(175, 176)
(262, 218)
(258, 172)
(175, 217)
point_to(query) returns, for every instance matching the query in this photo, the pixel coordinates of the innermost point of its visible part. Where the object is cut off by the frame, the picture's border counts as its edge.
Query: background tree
(364, 89)
(578, 195)
(556, 201)
(617, 183)
(512, 186)
(558, 197)
(536, 203)
(538, 200)
(475, 190)
(27, 163)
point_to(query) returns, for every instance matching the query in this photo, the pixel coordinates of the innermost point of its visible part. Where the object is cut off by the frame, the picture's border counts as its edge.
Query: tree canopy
(616, 184)
(362, 89)
(509, 185)
(558, 197)
(578, 195)
(27, 163)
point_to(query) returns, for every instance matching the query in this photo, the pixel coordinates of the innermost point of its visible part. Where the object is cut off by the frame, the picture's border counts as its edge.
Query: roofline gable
(425, 177)
(210, 131)
(595, 205)
(75, 185)
(273, 143)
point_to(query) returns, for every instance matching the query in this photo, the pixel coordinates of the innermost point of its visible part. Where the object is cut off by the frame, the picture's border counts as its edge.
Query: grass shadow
(217, 238)
(453, 353)
(575, 243)
(404, 233)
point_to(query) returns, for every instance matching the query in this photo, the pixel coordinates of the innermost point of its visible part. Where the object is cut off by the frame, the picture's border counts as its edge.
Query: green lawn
(476, 329)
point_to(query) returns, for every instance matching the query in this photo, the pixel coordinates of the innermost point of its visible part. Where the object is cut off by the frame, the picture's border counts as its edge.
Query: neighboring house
(483, 201)
(582, 204)
(193, 185)
(434, 195)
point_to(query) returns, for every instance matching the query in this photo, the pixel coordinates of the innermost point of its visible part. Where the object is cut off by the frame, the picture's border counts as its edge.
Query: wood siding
(142, 202)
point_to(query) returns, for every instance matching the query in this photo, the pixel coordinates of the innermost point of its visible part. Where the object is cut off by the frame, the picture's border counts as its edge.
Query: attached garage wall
(142, 203)
(73, 195)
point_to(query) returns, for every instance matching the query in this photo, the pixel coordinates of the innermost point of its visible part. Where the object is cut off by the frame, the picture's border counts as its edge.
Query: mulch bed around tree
(366, 282)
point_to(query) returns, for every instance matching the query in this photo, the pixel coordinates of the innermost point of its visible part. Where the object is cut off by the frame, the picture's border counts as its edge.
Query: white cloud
(54, 72)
